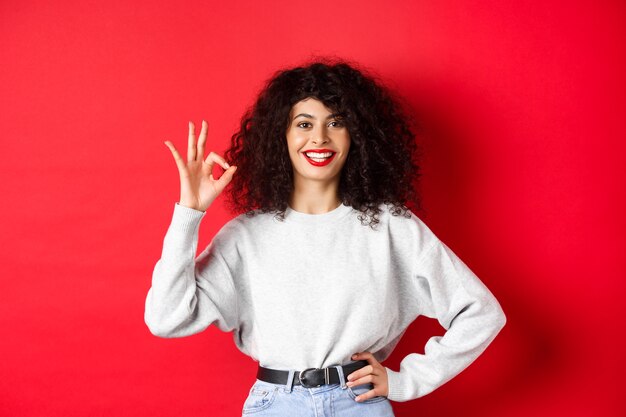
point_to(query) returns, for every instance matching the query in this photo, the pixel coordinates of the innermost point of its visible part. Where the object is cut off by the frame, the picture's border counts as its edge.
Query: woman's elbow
(499, 317)
(158, 327)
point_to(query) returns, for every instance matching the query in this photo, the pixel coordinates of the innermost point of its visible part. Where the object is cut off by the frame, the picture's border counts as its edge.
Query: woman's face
(318, 142)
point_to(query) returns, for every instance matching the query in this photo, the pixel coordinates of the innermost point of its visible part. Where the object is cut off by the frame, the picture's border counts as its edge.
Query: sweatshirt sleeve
(472, 317)
(189, 294)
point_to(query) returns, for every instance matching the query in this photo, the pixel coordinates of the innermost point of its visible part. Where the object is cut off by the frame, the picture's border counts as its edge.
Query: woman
(325, 267)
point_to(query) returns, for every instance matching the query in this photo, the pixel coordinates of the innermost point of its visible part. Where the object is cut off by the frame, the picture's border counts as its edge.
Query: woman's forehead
(310, 106)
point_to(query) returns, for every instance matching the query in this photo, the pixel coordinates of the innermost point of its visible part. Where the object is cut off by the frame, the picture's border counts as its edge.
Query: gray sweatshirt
(313, 290)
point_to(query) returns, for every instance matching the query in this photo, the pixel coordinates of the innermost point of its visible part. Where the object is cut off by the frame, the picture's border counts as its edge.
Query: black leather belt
(309, 378)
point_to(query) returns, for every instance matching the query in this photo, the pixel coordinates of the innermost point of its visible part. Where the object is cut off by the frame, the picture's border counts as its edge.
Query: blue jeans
(266, 399)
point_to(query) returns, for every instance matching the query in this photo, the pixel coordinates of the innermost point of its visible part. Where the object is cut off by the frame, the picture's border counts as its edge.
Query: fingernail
(226, 164)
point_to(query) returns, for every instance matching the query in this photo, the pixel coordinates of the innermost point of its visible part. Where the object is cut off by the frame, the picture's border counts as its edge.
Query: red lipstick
(320, 163)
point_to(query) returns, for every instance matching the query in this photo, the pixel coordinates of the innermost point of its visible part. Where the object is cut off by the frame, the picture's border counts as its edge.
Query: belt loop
(341, 376)
(290, 380)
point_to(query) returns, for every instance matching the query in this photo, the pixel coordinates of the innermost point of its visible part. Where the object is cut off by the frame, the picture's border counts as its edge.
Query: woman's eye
(334, 123)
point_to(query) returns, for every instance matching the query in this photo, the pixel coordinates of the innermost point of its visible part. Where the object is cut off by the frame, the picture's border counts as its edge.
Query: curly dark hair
(382, 162)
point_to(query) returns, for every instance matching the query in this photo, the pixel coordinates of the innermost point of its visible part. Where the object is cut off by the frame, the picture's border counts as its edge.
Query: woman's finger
(366, 396)
(359, 373)
(213, 157)
(191, 145)
(202, 139)
(368, 356)
(177, 158)
(362, 380)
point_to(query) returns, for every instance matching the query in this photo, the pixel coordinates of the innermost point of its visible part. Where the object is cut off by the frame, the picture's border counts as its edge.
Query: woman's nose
(320, 136)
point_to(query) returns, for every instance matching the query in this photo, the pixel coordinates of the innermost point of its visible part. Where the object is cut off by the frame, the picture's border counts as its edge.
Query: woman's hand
(198, 188)
(374, 373)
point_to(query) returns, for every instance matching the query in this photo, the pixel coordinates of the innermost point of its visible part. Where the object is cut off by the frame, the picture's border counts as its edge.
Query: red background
(523, 179)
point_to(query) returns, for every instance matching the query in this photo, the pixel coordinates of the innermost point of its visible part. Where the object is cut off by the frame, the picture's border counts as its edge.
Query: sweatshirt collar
(306, 218)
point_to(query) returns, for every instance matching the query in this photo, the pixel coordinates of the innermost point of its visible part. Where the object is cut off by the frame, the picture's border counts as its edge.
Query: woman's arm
(450, 292)
(187, 295)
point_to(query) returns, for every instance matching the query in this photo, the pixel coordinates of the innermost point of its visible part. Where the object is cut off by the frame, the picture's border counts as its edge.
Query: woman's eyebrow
(330, 116)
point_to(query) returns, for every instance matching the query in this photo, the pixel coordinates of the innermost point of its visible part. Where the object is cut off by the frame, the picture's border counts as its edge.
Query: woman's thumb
(227, 175)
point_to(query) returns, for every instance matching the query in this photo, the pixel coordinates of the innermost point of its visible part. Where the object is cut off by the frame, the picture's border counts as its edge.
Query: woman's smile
(319, 157)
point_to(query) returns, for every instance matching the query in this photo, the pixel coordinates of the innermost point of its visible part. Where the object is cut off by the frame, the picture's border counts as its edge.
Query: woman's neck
(315, 197)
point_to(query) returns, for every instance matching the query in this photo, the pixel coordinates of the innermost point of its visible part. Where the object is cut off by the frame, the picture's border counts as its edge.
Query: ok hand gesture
(198, 188)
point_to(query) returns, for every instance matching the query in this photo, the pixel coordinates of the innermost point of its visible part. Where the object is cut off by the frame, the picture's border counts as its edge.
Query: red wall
(523, 178)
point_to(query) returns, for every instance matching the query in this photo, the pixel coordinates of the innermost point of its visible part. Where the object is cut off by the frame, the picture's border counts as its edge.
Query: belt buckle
(326, 377)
